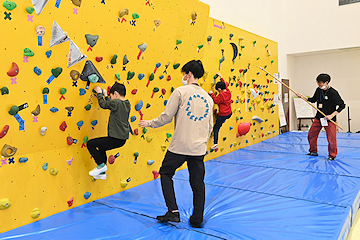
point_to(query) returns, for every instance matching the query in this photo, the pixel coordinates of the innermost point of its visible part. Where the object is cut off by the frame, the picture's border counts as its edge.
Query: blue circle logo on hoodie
(197, 97)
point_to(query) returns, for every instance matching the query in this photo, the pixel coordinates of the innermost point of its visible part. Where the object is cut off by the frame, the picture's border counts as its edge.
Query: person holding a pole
(329, 103)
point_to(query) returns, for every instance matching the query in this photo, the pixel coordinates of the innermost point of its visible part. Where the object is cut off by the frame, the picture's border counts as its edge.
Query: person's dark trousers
(219, 122)
(98, 147)
(196, 169)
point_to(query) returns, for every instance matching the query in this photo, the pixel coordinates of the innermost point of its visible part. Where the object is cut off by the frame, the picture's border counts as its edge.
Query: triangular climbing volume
(58, 36)
(90, 69)
(39, 5)
(75, 56)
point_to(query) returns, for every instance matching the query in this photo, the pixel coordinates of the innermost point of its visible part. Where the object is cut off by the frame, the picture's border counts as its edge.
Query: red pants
(330, 134)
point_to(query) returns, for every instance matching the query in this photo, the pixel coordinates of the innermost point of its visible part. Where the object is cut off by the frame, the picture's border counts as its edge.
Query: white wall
(309, 34)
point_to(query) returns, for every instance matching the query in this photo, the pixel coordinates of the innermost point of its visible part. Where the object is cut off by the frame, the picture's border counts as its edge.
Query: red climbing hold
(70, 140)
(111, 159)
(134, 91)
(4, 131)
(63, 126)
(99, 59)
(14, 70)
(163, 91)
(136, 131)
(70, 202)
(156, 174)
(168, 78)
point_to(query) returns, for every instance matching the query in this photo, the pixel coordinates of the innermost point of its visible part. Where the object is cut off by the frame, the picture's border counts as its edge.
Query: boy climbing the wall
(223, 99)
(118, 127)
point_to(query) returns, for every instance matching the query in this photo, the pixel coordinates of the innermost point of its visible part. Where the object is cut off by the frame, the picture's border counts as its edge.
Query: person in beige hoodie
(191, 106)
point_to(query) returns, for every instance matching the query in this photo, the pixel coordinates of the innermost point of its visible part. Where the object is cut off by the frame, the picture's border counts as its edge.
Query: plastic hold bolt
(8, 151)
(28, 52)
(9, 5)
(87, 195)
(14, 110)
(135, 15)
(5, 203)
(4, 131)
(56, 71)
(43, 131)
(123, 12)
(113, 60)
(36, 111)
(4, 90)
(35, 213)
(91, 39)
(37, 71)
(23, 160)
(74, 74)
(150, 162)
(54, 171)
(14, 70)
(70, 202)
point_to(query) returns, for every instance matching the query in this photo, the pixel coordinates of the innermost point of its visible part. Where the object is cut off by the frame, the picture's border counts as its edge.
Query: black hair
(221, 85)
(323, 77)
(118, 87)
(194, 66)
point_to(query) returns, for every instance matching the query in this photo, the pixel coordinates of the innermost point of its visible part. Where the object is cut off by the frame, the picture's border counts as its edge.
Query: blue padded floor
(270, 190)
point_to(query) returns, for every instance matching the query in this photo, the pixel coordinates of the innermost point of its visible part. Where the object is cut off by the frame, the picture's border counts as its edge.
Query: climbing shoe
(169, 216)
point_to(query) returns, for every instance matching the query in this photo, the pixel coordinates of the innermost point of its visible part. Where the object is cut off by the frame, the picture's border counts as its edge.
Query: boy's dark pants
(219, 122)
(196, 169)
(98, 147)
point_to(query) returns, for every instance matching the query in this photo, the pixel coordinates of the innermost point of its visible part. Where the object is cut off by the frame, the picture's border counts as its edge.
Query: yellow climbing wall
(26, 184)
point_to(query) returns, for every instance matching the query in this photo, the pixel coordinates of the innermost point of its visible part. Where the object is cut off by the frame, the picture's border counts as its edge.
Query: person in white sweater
(191, 106)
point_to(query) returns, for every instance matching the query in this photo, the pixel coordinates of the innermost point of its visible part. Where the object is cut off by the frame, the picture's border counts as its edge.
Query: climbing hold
(163, 91)
(161, 77)
(48, 53)
(139, 105)
(123, 12)
(70, 140)
(141, 76)
(156, 67)
(176, 66)
(156, 174)
(125, 182)
(35, 213)
(117, 75)
(149, 139)
(156, 89)
(136, 155)
(28, 52)
(145, 130)
(43, 131)
(112, 158)
(168, 135)
(14, 70)
(133, 118)
(136, 131)
(56, 71)
(178, 41)
(135, 15)
(231, 128)
(157, 22)
(165, 102)
(99, 59)
(69, 161)
(36, 111)
(130, 75)
(151, 78)
(134, 91)
(220, 41)
(193, 15)
(88, 107)
(63, 91)
(235, 51)
(37, 71)
(54, 109)
(70, 202)
(224, 138)
(258, 119)
(125, 60)
(244, 128)
(93, 78)
(142, 48)
(14, 110)
(94, 123)
(76, 2)
(30, 10)
(45, 166)
(87, 195)
(5, 203)
(113, 60)
(163, 147)
(150, 162)
(200, 46)
(63, 126)
(91, 39)
(74, 74)
(4, 131)
(54, 171)
(80, 124)
(4, 90)
(9, 5)
(148, 105)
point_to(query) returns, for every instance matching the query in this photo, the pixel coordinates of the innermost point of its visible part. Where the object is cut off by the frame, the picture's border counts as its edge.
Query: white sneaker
(214, 147)
(100, 176)
(97, 171)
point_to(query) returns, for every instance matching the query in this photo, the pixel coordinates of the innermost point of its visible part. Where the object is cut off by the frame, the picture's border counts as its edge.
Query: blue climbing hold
(247, 141)
(94, 122)
(48, 53)
(165, 102)
(139, 105)
(45, 166)
(82, 91)
(37, 71)
(141, 76)
(80, 123)
(161, 77)
(133, 119)
(54, 109)
(87, 195)
(158, 65)
(150, 162)
(23, 160)
(231, 128)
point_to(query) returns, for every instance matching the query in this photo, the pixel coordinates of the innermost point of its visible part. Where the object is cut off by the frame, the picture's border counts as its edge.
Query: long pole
(303, 99)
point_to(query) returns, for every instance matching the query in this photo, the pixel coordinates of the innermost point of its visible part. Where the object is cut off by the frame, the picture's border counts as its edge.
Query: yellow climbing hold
(35, 213)
(4, 203)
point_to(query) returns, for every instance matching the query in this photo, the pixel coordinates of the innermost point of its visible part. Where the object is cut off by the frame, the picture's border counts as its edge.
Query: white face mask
(185, 82)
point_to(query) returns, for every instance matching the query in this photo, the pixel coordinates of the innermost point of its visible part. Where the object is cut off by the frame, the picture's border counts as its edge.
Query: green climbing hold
(178, 41)
(257, 59)
(168, 135)
(93, 78)
(130, 75)
(14, 110)
(86, 138)
(176, 66)
(56, 71)
(135, 16)
(265, 66)
(30, 10)
(237, 118)
(145, 130)
(222, 59)
(63, 91)
(220, 41)
(152, 76)
(136, 154)
(88, 107)
(9, 5)
(172, 89)
(4, 91)
(28, 52)
(117, 75)
(200, 46)
(224, 138)
(113, 60)
(156, 89)
(46, 90)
